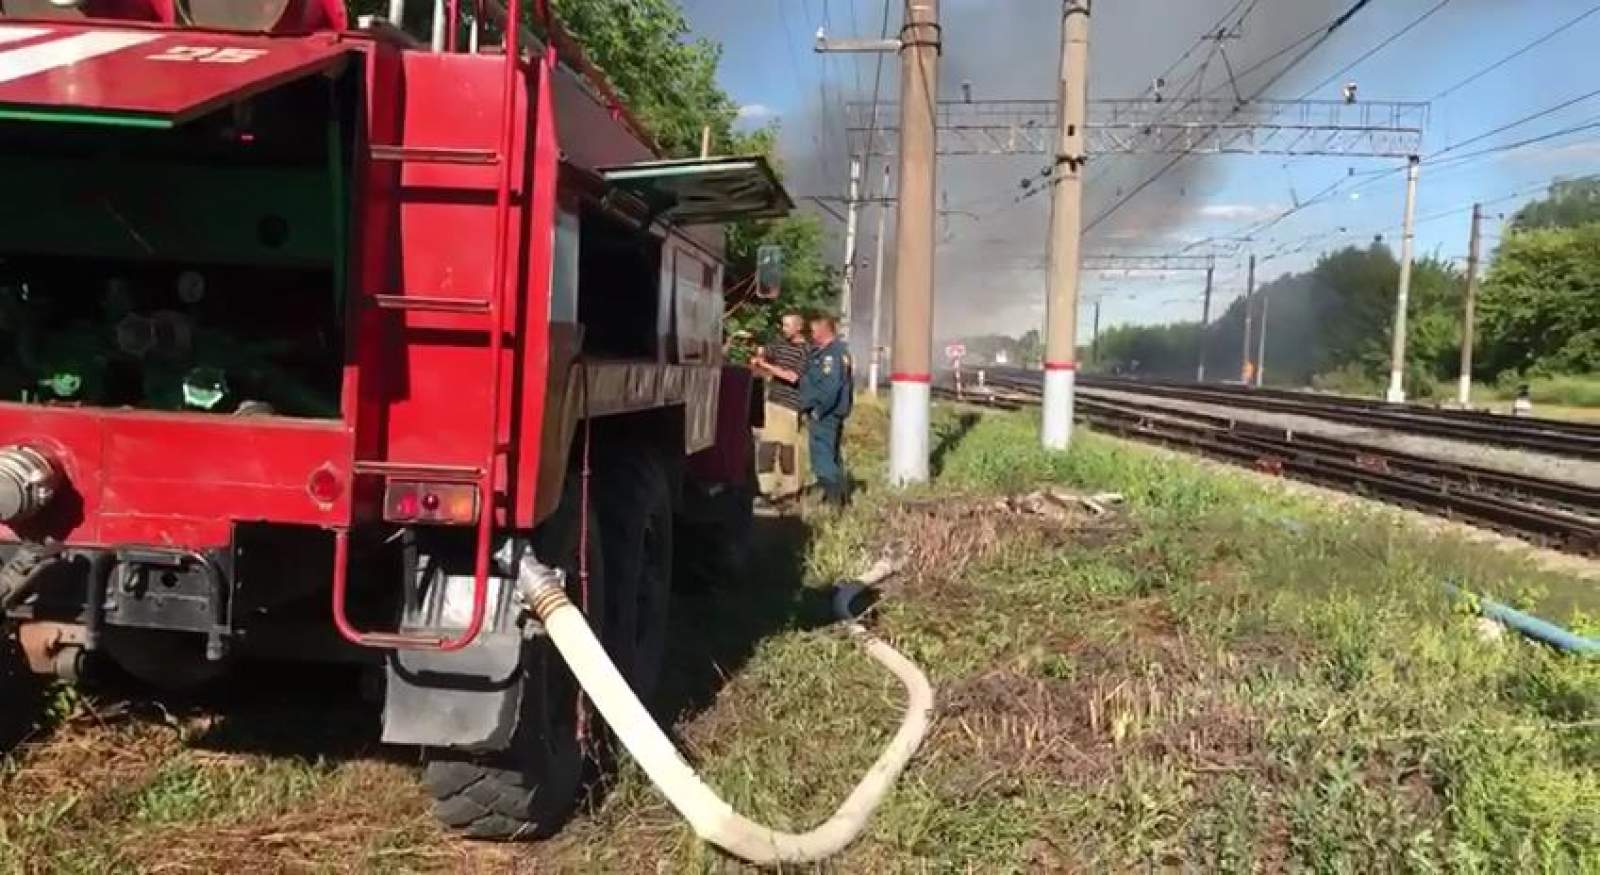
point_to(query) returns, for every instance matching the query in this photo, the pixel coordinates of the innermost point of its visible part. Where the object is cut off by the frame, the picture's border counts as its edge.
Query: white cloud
(1239, 212)
(756, 112)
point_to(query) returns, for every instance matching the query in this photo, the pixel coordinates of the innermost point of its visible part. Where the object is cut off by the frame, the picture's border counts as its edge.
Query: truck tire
(635, 505)
(714, 533)
(530, 790)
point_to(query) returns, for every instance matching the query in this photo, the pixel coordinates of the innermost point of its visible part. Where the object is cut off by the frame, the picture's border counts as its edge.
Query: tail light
(28, 480)
(445, 503)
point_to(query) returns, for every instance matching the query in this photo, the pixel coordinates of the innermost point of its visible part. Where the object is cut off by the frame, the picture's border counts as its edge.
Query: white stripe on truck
(28, 60)
(10, 33)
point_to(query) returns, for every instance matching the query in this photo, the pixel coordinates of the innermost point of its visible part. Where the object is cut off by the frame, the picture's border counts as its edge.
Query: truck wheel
(635, 505)
(20, 691)
(529, 790)
(714, 533)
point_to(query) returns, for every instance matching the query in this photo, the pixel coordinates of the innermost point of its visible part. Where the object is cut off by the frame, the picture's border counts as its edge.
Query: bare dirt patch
(941, 540)
(1148, 692)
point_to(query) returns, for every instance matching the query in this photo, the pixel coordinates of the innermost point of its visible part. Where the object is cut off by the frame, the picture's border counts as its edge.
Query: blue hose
(1529, 625)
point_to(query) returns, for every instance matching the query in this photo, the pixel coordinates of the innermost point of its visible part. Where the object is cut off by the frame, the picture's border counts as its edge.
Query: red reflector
(401, 504)
(324, 485)
(412, 502)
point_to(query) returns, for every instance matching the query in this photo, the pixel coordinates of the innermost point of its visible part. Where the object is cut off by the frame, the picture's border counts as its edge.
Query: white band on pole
(908, 431)
(1058, 389)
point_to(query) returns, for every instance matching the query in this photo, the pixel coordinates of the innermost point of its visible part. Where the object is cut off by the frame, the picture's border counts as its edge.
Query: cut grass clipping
(1219, 674)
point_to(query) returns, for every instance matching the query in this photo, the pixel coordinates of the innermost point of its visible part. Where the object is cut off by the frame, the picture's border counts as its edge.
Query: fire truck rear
(312, 332)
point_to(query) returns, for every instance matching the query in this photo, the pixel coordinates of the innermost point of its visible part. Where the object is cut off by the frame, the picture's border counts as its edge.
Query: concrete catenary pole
(1205, 326)
(1397, 361)
(847, 282)
(875, 365)
(1066, 219)
(1245, 369)
(1261, 339)
(1469, 311)
(911, 374)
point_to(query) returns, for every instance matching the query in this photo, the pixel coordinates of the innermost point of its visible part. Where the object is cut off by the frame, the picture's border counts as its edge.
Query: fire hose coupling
(28, 481)
(543, 589)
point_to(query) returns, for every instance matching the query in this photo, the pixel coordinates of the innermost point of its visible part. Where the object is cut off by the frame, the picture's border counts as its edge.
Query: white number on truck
(208, 54)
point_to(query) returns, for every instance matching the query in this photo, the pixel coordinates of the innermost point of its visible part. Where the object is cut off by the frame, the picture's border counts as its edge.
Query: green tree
(669, 79)
(810, 285)
(1570, 203)
(1541, 302)
(665, 75)
(1030, 347)
(1335, 317)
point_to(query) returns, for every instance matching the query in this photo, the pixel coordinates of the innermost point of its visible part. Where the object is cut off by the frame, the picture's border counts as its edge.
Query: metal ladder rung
(431, 304)
(435, 155)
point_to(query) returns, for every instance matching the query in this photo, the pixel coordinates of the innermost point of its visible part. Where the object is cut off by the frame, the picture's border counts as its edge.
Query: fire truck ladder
(492, 309)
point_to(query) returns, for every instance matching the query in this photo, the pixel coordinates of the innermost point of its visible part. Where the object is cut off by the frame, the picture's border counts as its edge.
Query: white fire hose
(713, 820)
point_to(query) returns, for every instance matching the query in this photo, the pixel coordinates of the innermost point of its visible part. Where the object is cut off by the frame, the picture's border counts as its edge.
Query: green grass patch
(1562, 390)
(1226, 676)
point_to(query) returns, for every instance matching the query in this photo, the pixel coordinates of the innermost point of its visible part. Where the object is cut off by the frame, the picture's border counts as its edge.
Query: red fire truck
(312, 330)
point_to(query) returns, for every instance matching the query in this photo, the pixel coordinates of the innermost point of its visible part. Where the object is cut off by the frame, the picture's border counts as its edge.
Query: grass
(1221, 675)
(1564, 396)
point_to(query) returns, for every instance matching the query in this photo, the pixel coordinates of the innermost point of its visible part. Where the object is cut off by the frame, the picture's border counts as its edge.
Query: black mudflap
(468, 699)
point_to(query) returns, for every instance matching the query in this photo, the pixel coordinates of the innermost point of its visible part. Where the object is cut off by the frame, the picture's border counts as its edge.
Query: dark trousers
(826, 461)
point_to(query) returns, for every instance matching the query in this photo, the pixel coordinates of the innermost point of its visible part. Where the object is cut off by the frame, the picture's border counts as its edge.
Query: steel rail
(1548, 512)
(1559, 438)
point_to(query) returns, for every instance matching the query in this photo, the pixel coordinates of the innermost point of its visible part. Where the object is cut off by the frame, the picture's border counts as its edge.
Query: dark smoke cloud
(989, 276)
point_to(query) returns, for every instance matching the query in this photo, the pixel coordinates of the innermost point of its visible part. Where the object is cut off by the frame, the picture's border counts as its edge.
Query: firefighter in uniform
(827, 392)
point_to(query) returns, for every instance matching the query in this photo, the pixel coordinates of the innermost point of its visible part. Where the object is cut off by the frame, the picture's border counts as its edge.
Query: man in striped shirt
(781, 455)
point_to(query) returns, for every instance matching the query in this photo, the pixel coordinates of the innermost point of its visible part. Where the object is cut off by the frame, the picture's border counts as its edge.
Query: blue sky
(988, 279)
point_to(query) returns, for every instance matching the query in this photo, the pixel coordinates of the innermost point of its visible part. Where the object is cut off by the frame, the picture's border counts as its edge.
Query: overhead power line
(1301, 244)
(1392, 38)
(1549, 35)
(1509, 125)
(1589, 125)
(877, 88)
(1317, 42)
(1435, 159)
(1202, 39)
(1213, 35)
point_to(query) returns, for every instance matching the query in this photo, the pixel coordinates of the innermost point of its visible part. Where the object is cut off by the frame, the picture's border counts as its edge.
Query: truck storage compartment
(198, 266)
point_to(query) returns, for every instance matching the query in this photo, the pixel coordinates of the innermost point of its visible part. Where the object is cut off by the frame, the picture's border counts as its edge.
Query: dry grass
(137, 789)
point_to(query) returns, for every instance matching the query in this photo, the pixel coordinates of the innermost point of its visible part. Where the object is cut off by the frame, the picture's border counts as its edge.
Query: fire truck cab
(312, 330)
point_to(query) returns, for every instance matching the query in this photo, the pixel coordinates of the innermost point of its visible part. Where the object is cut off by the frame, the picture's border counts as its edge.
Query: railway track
(1549, 436)
(1547, 512)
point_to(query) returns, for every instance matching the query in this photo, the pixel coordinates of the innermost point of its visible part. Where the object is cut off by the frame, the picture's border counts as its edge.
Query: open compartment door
(145, 78)
(700, 191)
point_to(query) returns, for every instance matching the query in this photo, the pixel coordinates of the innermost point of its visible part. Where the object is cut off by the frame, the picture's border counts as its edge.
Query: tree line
(1538, 312)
